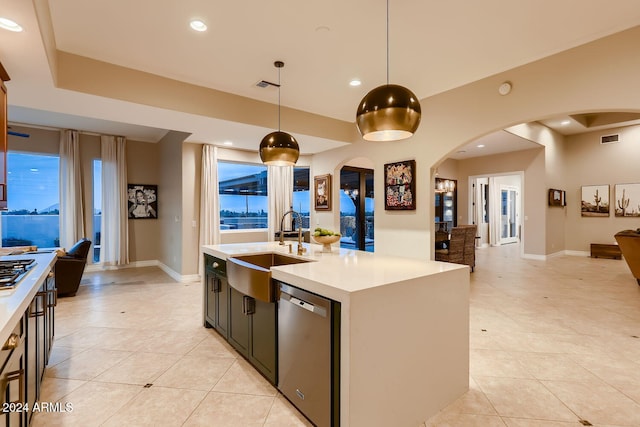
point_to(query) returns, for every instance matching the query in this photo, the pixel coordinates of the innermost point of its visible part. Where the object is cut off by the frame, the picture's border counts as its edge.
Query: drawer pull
(12, 342)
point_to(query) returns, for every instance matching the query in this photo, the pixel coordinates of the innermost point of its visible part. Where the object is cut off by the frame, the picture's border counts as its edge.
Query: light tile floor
(553, 343)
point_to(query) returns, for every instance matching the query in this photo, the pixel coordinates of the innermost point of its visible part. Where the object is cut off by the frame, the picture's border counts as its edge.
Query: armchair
(455, 251)
(629, 243)
(70, 267)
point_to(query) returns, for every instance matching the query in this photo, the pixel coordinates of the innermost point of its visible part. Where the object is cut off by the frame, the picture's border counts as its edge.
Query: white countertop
(14, 302)
(337, 274)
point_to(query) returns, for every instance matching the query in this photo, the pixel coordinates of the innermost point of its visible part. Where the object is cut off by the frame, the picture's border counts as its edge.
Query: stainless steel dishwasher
(308, 353)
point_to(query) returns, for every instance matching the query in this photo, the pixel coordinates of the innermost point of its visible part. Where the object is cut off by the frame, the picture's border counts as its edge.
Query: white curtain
(115, 227)
(72, 226)
(209, 200)
(494, 212)
(280, 196)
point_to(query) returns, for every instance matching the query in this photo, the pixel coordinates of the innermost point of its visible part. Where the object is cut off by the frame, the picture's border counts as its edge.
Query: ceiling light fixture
(388, 112)
(10, 25)
(279, 148)
(198, 25)
(355, 82)
(565, 122)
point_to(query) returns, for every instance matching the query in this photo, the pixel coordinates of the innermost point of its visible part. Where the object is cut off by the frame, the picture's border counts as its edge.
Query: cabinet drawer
(215, 265)
(16, 336)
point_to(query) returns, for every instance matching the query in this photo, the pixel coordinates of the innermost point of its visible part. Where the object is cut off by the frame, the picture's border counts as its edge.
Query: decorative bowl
(326, 241)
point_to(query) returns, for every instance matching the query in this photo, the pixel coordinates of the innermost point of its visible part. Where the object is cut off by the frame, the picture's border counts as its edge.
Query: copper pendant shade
(279, 148)
(388, 112)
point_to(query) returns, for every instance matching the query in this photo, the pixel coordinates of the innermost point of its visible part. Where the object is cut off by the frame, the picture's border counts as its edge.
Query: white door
(508, 214)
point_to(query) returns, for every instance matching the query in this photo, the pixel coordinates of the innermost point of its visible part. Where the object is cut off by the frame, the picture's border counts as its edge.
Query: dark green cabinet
(216, 295)
(249, 325)
(239, 307)
(253, 332)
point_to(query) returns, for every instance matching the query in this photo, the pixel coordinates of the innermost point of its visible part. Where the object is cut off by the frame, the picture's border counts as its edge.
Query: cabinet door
(14, 389)
(51, 303)
(222, 307)
(263, 339)
(238, 321)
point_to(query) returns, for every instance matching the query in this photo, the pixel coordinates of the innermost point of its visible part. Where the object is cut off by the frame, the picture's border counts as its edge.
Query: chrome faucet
(301, 249)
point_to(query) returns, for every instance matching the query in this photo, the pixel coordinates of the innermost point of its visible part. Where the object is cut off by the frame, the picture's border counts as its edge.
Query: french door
(508, 214)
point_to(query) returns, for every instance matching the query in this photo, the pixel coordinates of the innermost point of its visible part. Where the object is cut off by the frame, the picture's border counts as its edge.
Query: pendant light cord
(279, 99)
(387, 42)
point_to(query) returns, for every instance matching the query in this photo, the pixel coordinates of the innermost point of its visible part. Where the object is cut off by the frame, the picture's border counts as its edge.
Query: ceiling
(434, 46)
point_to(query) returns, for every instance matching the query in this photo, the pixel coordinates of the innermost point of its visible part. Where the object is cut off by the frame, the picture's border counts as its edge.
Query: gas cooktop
(11, 271)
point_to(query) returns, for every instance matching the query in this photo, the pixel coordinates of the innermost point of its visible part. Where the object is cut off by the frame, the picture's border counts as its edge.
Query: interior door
(508, 214)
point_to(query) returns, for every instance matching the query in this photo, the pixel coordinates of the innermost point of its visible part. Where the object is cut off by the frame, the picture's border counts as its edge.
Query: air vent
(610, 139)
(265, 84)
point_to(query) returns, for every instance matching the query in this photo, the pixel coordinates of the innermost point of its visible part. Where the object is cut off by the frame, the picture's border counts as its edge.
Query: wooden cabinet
(249, 325)
(25, 355)
(253, 332)
(13, 386)
(216, 295)
(3, 138)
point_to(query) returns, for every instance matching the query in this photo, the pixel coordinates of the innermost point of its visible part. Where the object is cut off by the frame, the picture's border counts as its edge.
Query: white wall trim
(534, 256)
(92, 268)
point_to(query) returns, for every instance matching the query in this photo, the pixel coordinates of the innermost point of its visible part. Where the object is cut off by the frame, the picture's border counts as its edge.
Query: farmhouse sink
(251, 274)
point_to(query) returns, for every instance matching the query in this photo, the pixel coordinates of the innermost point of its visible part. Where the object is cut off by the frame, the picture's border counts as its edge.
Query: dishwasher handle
(297, 302)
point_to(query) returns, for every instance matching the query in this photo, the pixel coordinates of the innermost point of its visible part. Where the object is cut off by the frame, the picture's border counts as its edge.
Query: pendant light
(279, 148)
(388, 112)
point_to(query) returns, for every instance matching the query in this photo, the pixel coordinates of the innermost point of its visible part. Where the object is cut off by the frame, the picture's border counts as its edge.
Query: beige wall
(578, 80)
(143, 168)
(591, 163)
(170, 190)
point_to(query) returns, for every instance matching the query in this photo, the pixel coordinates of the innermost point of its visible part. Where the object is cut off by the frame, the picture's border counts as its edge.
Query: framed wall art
(400, 185)
(595, 200)
(627, 200)
(142, 201)
(557, 197)
(322, 192)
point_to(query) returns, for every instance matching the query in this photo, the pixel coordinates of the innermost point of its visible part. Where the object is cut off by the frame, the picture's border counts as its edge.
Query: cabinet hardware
(37, 313)
(12, 342)
(248, 305)
(53, 292)
(19, 376)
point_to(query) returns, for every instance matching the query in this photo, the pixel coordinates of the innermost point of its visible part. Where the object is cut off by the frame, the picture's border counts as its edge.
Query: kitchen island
(404, 328)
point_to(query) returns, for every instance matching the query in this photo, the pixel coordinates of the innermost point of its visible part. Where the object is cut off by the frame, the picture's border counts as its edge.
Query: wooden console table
(601, 250)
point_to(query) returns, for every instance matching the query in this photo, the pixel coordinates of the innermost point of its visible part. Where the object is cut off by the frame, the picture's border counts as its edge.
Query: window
(301, 196)
(33, 192)
(243, 195)
(97, 208)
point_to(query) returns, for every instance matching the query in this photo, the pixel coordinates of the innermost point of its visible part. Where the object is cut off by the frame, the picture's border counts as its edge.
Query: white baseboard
(534, 256)
(92, 268)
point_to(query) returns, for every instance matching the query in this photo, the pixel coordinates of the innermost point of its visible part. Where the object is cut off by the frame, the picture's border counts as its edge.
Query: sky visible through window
(32, 182)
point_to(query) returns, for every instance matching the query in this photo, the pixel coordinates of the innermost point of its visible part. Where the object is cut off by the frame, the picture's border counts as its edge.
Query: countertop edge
(15, 304)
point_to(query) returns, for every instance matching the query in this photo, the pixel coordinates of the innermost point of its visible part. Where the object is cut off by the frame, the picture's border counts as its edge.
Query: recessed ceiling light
(355, 82)
(198, 25)
(461, 151)
(565, 122)
(228, 143)
(10, 25)
(480, 145)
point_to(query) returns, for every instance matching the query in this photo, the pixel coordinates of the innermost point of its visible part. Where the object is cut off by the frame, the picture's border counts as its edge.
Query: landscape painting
(595, 200)
(627, 200)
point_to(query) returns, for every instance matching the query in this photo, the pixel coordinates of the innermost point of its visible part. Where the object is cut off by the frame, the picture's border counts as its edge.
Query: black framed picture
(322, 192)
(400, 185)
(143, 201)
